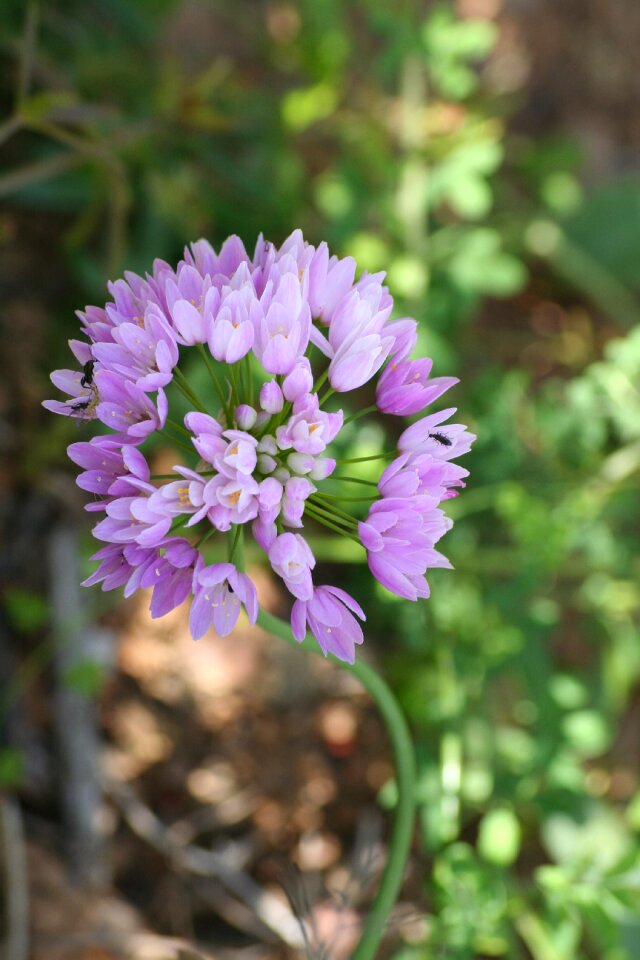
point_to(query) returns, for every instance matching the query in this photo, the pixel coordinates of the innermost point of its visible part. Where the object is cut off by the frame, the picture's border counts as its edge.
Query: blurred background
(164, 799)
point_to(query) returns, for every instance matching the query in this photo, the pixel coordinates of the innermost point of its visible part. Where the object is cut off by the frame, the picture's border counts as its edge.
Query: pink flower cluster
(257, 439)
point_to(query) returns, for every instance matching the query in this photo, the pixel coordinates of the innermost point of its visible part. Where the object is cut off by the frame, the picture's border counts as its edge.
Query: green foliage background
(372, 127)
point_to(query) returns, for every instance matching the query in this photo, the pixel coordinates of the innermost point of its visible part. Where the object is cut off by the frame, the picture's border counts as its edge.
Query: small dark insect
(81, 404)
(87, 374)
(442, 438)
(83, 407)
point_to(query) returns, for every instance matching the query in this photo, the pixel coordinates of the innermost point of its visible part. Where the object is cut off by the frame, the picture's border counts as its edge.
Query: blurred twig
(211, 894)
(583, 272)
(230, 811)
(86, 144)
(35, 172)
(9, 127)
(14, 868)
(75, 714)
(366, 862)
(296, 892)
(27, 52)
(205, 863)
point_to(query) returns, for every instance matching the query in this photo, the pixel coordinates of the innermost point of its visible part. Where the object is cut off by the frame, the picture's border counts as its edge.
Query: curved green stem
(214, 381)
(367, 483)
(327, 521)
(234, 542)
(360, 413)
(182, 384)
(387, 455)
(334, 496)
(326, 396)
(400, 840)
(332, 511)
(235, 390)
(248, 378)
(401, 834)
(321, 379)
(177, 443)
(178, 427)
(180, 522)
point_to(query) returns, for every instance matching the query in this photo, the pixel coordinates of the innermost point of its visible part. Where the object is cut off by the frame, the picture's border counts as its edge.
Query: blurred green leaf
(38, 106)
(499, 837)
(596, 842)
(450, 44)
(480, 264)
(472, 903)
(85, 677)
(26, 611)
(587, 731)
(607, 226)
(11, 768)
(301, 108)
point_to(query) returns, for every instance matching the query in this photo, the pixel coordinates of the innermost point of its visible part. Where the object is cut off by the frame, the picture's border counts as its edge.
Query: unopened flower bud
(300, 462)
(268, 445)
(270, 493)
(271, 399)
(299, 488)
(266, 464)
(265, 533)
(322, 468)
(296, 491)
(245, 416)
(281, 474)
(262, 418)
(299, 382)
(292, 511)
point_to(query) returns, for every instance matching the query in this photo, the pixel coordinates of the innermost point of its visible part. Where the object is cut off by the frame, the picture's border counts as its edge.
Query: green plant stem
(335, 496)
(235, 537)
(367, 483)
(182, 384)
(284, 415)
(321, 379)
(235, 392)
(180, 522)
(214, 380)
(178, 426)
(176, 442)
(335, 523)
(404, 758)
(331, 508)
(376, 456)
(401, 834)
(360, 413)
(248, 378)
(237, 547)
(328, 393)
(205, 536)
(321, 512)
(333, 513)
(321, 518)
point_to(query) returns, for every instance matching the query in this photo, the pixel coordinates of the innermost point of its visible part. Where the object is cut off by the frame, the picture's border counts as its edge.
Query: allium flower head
(280, 338)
